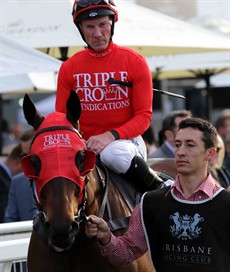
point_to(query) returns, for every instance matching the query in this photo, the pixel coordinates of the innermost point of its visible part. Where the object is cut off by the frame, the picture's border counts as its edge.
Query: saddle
(127, 190)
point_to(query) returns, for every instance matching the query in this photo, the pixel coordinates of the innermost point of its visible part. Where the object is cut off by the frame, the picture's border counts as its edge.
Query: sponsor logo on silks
(185, 227)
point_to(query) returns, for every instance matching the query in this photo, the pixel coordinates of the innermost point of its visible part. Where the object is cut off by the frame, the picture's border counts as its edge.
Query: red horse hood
(56, 143)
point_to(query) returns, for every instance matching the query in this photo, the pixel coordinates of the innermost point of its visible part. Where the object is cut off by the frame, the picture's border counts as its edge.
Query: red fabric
(57, 150)
(105, 106)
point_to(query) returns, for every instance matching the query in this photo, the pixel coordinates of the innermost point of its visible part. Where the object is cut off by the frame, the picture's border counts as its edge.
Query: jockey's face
(97, 32)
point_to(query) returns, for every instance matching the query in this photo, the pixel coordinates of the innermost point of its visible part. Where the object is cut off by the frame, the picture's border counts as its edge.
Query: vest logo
(185, 227)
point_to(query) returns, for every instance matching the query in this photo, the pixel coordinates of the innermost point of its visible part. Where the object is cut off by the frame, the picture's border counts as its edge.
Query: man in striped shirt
(186, 226)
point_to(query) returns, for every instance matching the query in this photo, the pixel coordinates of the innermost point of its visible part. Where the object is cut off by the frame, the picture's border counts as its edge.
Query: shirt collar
(207, 187)
(103, 53)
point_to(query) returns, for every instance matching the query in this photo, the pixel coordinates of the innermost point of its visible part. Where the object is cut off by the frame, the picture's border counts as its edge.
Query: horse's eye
(36, 162)
(80, 160)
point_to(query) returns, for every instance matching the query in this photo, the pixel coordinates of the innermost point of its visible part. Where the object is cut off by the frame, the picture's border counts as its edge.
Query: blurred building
(188, 9)
(179, 9)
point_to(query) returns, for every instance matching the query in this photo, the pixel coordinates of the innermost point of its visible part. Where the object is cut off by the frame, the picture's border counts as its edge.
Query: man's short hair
(209, 131)
(169, 120)
(15, 153)
(220, 122)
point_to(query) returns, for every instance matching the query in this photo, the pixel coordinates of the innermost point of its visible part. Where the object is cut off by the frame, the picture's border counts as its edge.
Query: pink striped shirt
(124, 249)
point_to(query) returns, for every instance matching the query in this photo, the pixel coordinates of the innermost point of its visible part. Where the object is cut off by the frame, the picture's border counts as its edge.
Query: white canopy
(22, 65)
(20, 59)
(186, 65)
(158, 34)
(39, 24)
(42, 24)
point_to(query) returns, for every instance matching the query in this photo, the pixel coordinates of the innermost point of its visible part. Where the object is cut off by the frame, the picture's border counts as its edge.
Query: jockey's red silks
(57, 150)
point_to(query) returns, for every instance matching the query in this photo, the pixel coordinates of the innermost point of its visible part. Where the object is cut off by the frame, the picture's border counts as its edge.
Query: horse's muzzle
(61, 238)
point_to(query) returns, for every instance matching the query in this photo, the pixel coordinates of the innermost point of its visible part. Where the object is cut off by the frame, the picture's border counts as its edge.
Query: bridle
(80, 217)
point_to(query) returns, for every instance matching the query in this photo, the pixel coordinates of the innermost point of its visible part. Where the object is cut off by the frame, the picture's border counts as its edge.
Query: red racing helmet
(88, 9)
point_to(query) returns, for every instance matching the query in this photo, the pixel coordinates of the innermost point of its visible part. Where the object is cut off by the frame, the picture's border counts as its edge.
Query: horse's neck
(102, 198)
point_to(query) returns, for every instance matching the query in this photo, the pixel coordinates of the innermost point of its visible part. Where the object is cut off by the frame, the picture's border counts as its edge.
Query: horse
(165, 166)
(69, 186)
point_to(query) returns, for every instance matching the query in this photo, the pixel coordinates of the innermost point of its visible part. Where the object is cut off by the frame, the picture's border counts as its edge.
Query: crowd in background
(16, 201)
(15, 186)
(163, 147)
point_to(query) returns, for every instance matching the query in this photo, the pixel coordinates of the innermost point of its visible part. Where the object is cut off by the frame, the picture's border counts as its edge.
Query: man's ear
(211, 153)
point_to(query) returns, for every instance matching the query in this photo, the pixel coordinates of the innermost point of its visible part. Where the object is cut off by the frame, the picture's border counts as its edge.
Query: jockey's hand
(98, 142)
(97, 227)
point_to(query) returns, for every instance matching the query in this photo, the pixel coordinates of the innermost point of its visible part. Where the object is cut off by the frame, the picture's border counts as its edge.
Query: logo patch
(185, 227)
(58, 139)
(93, 14)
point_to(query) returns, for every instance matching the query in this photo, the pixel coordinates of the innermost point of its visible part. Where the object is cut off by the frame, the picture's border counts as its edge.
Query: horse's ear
(73, 108)
(32, 115)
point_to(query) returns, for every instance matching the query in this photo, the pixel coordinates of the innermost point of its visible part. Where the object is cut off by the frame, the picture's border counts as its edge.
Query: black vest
(185, 236)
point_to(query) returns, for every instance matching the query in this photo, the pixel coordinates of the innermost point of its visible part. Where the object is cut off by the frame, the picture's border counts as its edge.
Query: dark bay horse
(68, 187)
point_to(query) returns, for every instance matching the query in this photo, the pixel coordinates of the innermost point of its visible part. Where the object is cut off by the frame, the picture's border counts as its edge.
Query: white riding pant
(118, 155)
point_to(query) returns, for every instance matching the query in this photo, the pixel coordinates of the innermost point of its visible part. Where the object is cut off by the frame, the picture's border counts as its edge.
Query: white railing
(14, 241)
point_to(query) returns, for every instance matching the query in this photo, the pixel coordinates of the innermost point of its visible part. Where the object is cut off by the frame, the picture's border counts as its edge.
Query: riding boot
(143, 176)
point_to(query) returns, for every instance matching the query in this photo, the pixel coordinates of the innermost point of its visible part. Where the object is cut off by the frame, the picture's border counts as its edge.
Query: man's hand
(98, 142)
(97, 227)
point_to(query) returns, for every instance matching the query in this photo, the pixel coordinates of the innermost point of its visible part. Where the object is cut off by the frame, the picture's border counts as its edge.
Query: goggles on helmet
(81, 6)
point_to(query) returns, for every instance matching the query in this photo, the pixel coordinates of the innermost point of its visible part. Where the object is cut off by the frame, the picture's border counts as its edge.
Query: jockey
(114, 113)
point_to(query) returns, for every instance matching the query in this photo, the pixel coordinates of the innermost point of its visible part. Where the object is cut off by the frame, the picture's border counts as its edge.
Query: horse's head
(59, 163)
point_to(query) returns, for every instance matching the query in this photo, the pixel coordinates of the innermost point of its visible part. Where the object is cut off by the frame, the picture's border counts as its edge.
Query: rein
(114, 224)
(105, 184)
